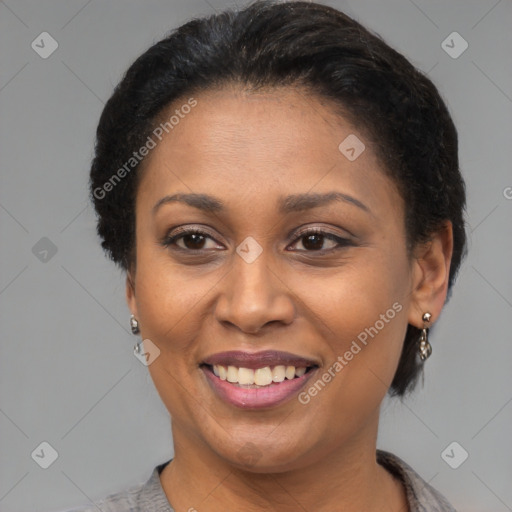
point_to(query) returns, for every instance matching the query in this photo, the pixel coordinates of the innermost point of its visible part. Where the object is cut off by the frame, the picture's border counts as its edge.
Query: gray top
(150, 497)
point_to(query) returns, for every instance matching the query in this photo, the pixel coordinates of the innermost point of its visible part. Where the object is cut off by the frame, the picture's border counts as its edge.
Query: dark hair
(296, 44)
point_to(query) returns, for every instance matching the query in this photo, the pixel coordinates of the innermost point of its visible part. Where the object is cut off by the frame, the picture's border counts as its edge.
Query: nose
(253, 295)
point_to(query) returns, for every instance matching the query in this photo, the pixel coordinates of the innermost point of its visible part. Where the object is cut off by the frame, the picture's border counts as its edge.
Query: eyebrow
(288, 204)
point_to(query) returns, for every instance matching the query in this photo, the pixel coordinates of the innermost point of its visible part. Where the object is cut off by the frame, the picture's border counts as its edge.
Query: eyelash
(342, 242)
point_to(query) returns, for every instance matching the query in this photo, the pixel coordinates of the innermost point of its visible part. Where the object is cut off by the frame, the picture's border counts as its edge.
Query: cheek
(360, 313)
(170, 305)
(356, 295)
(174, 303)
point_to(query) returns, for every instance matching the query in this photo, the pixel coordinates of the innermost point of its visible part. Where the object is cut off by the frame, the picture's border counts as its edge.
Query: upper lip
(261, 359)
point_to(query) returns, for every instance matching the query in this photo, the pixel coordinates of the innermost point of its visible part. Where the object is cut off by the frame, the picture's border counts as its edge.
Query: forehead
(255, 146)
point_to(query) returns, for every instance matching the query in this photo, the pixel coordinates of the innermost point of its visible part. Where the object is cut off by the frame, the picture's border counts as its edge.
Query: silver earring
(425, 349)
(137, 349)
(134, 324)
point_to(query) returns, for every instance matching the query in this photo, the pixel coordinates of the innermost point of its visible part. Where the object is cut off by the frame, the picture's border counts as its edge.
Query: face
(269, 267)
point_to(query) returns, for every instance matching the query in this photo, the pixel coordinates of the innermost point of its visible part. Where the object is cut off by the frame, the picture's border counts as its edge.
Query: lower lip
(256, 398)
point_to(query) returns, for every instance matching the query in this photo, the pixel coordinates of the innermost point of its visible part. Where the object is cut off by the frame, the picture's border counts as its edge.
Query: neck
(346, 478)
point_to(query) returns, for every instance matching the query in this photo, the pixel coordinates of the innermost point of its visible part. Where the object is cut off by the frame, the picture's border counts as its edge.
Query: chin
(263, 456)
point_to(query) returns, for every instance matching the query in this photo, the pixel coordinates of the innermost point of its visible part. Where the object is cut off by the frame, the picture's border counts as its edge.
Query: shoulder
(422, 497)
(147, 497)
(123, 501)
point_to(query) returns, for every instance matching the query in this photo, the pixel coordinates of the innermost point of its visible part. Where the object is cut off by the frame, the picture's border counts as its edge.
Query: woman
(283, 191)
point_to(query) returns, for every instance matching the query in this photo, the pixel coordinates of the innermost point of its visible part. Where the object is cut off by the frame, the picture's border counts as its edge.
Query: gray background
(67, 372)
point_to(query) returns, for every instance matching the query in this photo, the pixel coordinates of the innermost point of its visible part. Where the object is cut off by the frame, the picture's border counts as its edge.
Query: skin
(247, 150)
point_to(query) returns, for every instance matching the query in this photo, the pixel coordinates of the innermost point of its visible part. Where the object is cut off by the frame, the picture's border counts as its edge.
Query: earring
(137, 349)
(134, 324)
(425, 349)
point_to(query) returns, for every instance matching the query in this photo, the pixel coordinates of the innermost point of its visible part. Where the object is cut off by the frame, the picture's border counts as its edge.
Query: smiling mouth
(254, 378)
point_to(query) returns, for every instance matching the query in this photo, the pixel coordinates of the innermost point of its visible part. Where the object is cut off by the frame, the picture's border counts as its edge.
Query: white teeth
(263, 376)
(299, 372)
(278, 373)
(232, 374)
(290, 372)
(245, 376)
(260, 376)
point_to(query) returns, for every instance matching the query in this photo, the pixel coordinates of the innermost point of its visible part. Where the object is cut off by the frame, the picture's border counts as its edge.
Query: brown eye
(191, 240)
(314, 240)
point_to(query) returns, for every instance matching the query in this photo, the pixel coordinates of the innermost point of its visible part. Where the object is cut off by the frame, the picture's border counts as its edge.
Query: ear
(130, 293)
(430, 273)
